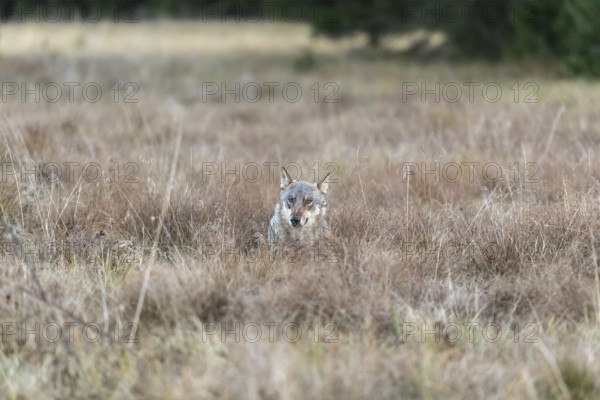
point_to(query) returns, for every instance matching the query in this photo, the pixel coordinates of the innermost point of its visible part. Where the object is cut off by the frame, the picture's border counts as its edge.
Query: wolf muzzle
(295, 220)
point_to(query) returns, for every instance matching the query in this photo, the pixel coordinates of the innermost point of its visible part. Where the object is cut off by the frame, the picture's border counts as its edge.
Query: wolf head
(302, 203)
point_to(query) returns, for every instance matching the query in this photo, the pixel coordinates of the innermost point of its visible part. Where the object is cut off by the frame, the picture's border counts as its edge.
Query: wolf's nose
(295, 220)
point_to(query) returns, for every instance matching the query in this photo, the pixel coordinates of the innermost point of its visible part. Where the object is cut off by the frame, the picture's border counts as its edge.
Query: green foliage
(535, 26)
(582, 42)
(476, 28)
(566, 31)
(374, 17)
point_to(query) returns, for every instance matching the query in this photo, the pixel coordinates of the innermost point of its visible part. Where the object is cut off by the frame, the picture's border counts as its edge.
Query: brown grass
(517, 253)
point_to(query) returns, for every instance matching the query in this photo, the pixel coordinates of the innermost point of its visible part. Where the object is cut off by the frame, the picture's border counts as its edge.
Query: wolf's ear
(286, 179)
(322, 185)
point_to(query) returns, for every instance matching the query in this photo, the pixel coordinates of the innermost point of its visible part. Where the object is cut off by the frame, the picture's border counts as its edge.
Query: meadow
(140, 164)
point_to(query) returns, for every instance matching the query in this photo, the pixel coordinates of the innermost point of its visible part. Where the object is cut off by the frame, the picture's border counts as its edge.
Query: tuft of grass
(305, 62)
(580, 380)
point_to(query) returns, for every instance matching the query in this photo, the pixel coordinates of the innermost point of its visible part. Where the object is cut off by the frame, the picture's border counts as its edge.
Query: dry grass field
(463, 261)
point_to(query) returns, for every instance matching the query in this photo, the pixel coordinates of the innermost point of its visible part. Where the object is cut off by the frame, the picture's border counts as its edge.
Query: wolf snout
(295, 220)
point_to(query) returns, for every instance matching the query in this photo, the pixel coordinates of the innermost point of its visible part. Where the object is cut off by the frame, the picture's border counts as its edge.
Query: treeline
(564, 30)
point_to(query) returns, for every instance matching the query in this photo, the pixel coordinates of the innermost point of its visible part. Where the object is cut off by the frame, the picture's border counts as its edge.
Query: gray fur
(306, 203)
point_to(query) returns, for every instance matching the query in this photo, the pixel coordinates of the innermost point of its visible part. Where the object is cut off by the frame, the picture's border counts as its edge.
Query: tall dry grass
(466, 258)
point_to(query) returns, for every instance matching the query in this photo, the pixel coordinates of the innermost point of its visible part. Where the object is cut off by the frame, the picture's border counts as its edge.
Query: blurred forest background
(567, 32)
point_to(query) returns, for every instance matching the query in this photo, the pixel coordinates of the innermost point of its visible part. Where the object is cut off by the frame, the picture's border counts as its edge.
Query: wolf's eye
(309, 202)
(291, 199)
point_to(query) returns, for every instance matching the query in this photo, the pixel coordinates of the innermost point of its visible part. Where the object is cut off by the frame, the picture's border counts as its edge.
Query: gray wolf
(299, 216)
